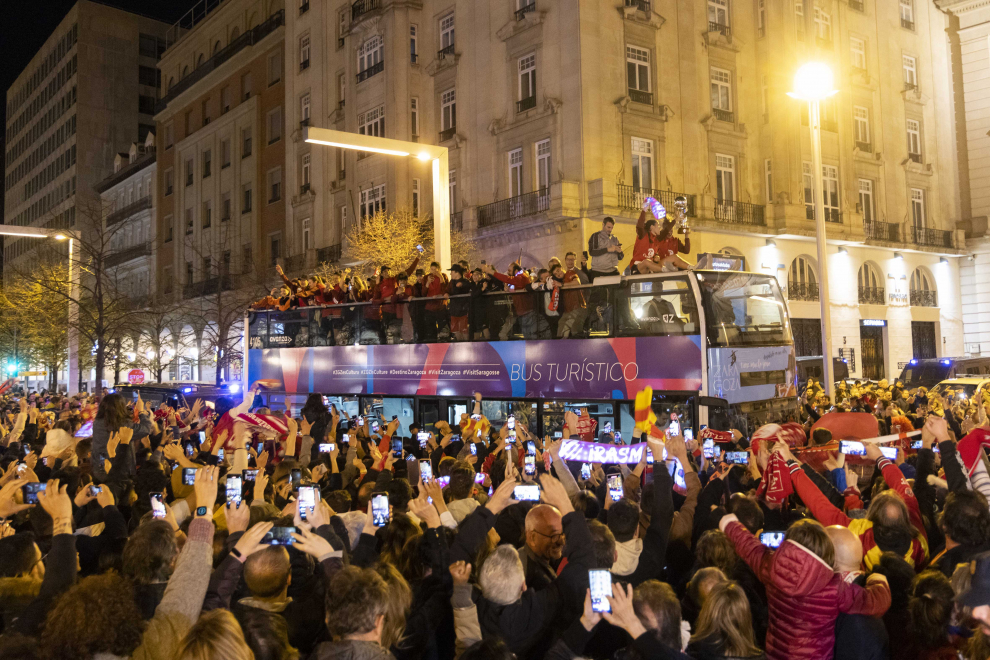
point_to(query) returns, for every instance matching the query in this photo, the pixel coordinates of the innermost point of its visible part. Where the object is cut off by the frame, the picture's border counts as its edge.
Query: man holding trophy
(657, 245)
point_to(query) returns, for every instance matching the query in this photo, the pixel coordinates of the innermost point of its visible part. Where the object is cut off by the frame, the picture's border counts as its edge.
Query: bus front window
(743, 309)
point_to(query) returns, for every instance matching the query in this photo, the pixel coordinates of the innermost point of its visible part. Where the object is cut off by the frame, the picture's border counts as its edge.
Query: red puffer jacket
(805, 596)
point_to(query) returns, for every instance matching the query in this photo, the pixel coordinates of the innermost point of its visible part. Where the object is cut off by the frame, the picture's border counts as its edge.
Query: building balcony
(245, 40)
(128, 254)
(723, 30)
(872, 295)
(639, 96)
(362, 7)
(741, 213)
(527, 103)
(525, 9)
(906, 24)
(446, 51)
(303, 8)
(865, 147)
(457, 221)
(920, 298)
(372, 70)
(910, 86)
(305, 122)
(938, 238)
(304, 188)
(129, 210)
(506, 210)
(304, 65)
(448, 133)
(207, 287)
(882, 231)
(330, 254)
(857, 5)
(807, 291)
(724, 115)
(641, 5)
(914, 158)
(632, 198)
(831, 214)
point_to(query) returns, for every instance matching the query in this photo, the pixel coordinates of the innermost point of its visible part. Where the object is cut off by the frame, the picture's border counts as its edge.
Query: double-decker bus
(693, 336)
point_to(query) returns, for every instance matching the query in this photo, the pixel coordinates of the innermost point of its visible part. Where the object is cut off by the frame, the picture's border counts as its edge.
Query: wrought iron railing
(123, 256)
(457, 221)
(372, 70)
(330, 254)
(865, 147)
(527, 103)
(207, 287)
(914, 158)
(724, 30)
(304, 7)
(639, 96)
(724, 115)
(872, 295)
(525, 9)
(882, 231)
(922, 298)
(931, 237)
(362, 7)
(129, 210)
(521, 206)
(741, 213)
(857, 5)
(632, 198)
(905, 23)
(802, 291)
(445, 51)
(448, 133)
(641, 5)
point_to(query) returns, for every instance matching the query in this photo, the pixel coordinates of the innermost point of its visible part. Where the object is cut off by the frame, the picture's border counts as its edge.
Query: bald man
(544, 546)
(857, 637)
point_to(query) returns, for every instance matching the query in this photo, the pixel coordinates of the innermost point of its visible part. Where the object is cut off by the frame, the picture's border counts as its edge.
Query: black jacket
(711, 648)
(861, 637)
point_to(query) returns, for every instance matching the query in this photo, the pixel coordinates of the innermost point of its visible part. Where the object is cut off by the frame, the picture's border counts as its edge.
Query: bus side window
(664, 307)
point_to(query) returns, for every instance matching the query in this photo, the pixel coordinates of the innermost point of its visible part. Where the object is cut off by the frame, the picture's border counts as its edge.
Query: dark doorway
(923, 338)
(871, 340)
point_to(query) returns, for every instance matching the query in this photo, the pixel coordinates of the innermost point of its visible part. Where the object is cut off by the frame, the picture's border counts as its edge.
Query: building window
(799, 19)
(225, 153)
(246, 197)
(448, 110)
(225, 207)
(169, 137)
(907, 13)
(642, 164)
(447, 31)
(306, 234)
(802, 281)
(370, 53)
(857, 49)
(527, 82)
(246, 84)
(304, 171)
(207, 214)
(168, 181)
(189, 273)
(725, 178)
(206, 112)
(718, 12)
(372, 122)
(275, 125)
(189, 172)
(245, 142)
(372, 201)
(515, 172)
(413, 43)
(918, 215)
(190, 222)
(343, 218)
(761, 17)
(342, 27)
(638, 74)
(910, 66)
(169, 221)
(225, 100)
(543, 164)
(721, 85)
(862, 118)
(341, 88)
(768, 176)
(167, 280)
(274, 68)
(207, 163)
(765, 97)
(830, 192)
(304, 52)
(914, 139)
(414, 116)
(866, 206)
(274, 185)
(304, 109)
(275, 247)
(823, 25)
(452, 190)
(415, 198)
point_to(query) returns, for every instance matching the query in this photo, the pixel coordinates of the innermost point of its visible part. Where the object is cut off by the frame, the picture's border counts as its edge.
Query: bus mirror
(712, 402)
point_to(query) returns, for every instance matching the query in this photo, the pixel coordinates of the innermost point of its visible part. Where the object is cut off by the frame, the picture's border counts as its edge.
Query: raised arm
(823, 511)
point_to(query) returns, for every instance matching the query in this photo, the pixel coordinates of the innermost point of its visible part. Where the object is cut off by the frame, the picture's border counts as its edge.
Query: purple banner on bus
(574, 368)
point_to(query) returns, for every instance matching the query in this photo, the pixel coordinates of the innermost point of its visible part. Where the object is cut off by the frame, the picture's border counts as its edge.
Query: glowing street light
(401, 148)
(813, 83)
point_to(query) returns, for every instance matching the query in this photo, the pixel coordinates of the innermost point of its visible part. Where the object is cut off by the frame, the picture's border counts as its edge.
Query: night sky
(27, 23)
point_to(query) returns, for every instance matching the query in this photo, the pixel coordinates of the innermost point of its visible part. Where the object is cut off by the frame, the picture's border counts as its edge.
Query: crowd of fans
(235, 532)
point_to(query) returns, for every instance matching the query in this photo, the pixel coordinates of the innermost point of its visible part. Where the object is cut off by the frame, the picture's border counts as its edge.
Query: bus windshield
(743, 309)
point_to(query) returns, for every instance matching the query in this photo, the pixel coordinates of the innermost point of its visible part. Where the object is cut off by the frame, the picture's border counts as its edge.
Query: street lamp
(72, 237)
(401, 148)
(813, 83)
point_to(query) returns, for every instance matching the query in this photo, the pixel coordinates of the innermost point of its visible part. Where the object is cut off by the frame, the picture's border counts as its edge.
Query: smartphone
(511, 422)
(708, 448)
(674, 428)
(558, 434)
(584, 254)
(423, 438)
(326, 447)
(250, 475)
(22, 468)
(93, 490)
(618, 435)
(202, 437)
(279, 536)
(649, 456)
(531, 448)
(219, 456)
(295, 476)
(309, 495)
(476, 417)
(852, 448)
(916, 444)
(189, 476)
(676, 472)
(474, 449)
(360, 421)
(31, 491)
(607, 427)
(26, 448)
(190, 450)
(443, 481)
(512, 437)
(397, 447)
(889, 452)
(772, 539)
(615, 487)
(527, 493)
(529, 465)
(425, 469)
(480, 478)
(586, 471)
(379, 509)
(419, 248)
(374, 427)
(261, 447)
(688, 435)
(235, 488)
(157, 506)
(600, 581)
(736, 457)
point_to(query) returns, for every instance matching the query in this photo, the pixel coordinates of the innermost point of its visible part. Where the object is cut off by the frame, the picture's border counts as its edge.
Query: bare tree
(159, 344)
(40, 337)
(391, 239)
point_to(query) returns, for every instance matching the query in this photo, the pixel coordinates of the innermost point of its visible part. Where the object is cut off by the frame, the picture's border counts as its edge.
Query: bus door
(428, 413)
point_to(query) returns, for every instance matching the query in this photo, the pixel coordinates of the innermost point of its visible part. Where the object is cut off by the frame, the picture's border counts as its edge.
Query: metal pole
(441, 211)
(72, 387)
(817, 195)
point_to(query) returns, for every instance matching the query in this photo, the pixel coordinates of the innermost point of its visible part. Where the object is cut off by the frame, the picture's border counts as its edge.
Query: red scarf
(776, 485)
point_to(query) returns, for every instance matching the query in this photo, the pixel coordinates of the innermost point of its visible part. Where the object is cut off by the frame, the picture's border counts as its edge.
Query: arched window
(802, 280)
(171, 81)
(216, 47)
(185, 71)
(199, 60)
(871, 287)
(922, 289)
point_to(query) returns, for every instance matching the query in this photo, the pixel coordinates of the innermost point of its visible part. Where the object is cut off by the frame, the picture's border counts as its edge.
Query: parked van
(930, 372)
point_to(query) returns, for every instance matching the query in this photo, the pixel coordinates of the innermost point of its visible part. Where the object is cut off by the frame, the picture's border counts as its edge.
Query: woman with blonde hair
(215, 636)
(398, 604)
(725, 627)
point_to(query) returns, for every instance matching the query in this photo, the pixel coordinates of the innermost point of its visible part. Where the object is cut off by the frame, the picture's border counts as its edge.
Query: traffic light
(12, 369)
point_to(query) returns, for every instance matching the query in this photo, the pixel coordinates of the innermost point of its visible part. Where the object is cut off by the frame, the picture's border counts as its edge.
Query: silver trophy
(680, 212)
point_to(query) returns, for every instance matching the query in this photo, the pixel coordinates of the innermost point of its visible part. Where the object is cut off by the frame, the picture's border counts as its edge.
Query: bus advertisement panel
(606, 368)
(752, 374)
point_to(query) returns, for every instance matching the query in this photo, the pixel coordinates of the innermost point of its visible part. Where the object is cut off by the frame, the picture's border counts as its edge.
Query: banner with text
(574, 368)
(752, 374)
(592, 452)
